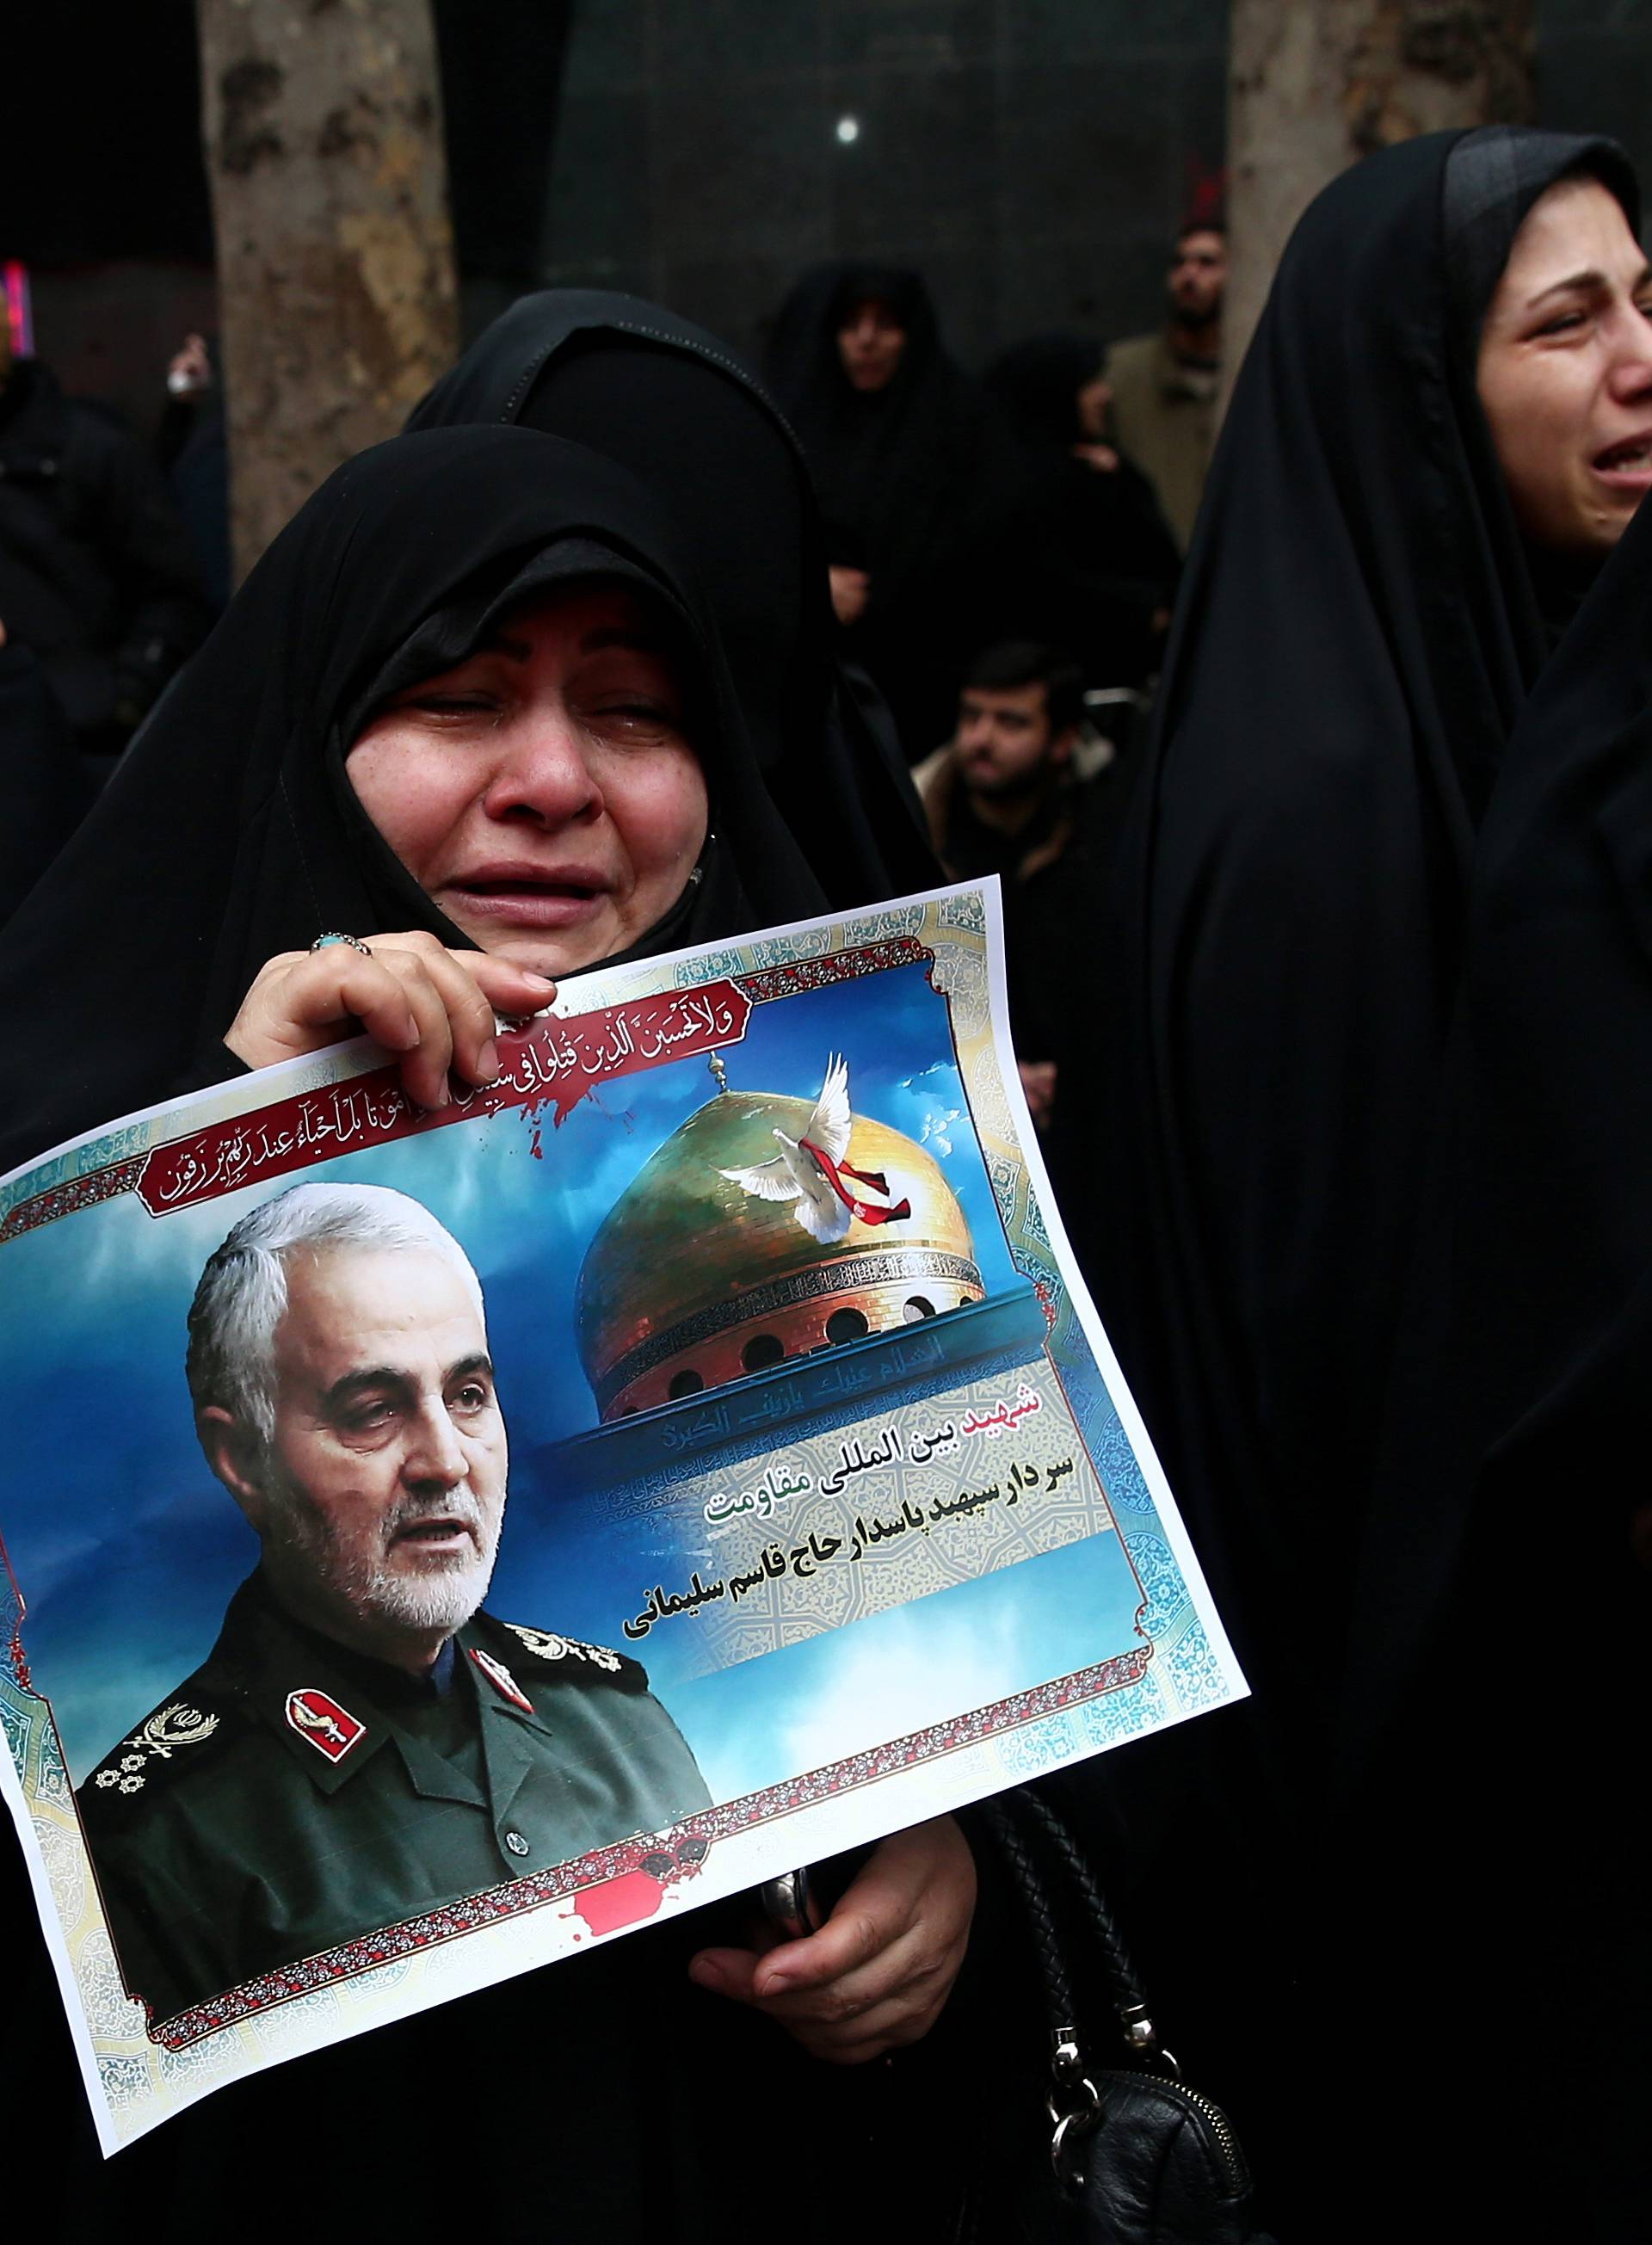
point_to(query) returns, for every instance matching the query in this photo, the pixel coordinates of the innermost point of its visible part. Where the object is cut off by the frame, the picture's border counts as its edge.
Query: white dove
(809, 1170)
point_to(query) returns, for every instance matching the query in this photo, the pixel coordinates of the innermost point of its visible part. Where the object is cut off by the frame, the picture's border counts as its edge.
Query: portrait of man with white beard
(364, 1742)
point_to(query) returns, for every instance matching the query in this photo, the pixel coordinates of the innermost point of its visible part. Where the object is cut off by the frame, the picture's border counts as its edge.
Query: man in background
(1004, 796)
(1164, 384)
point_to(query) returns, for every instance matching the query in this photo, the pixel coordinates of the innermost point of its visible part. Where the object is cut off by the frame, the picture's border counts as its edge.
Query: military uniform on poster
(290, 1794)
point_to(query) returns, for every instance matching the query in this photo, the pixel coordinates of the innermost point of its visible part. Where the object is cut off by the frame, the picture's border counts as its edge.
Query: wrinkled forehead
(1493, 181)
(1578, 224)
(350, 1306)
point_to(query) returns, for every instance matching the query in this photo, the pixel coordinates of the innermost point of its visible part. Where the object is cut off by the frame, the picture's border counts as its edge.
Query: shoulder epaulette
(167, 1742)
(617, 1667)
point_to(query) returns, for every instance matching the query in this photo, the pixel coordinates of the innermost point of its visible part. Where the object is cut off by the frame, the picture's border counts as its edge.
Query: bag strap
(1124, 1985)
(1027, 1829)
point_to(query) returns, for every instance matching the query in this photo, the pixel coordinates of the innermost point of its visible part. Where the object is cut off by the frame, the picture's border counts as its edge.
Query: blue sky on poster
(124, 1547)
(810, 1705)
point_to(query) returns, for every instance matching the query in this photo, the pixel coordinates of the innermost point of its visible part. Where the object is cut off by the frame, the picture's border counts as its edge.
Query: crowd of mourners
(1315, 759)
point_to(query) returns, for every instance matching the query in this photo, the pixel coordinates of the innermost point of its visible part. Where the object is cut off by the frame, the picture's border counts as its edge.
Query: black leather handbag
(1135, 2157)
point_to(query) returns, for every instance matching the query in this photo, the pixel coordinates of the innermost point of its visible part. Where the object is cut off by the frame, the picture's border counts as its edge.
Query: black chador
(1500, 1684)
(606, 2096)
(1359, 629)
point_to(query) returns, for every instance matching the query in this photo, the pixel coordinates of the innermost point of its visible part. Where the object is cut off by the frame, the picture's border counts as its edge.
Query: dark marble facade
(1595, 72)
(1030, 156)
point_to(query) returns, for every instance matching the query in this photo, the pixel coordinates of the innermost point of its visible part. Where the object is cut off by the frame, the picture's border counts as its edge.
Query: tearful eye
(652, 718)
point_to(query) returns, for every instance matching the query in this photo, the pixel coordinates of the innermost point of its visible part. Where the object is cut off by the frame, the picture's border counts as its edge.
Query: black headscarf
(671, 403)
(912, 479)
(1038, 383)
(230, 831)
(1356, 633)
(1095, 560)
(878, 457)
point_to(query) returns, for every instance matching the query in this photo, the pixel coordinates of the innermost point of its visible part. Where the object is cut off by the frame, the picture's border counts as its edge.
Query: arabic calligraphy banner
(694, 1456)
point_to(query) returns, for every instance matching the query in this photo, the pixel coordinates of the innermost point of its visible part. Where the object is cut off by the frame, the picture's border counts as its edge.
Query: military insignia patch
(502, 1680)
(332, 1730)
(551, 1647)
(165, 1731)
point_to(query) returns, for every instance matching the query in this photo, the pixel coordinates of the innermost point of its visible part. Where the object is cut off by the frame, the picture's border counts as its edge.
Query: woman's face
(543, 792)
(870, 343)
(1565, 373)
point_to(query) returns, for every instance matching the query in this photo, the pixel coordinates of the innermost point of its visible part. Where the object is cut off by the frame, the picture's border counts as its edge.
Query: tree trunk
(337, 301)
(1318, 84)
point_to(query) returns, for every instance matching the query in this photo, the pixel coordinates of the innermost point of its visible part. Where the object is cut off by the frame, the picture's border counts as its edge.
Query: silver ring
(355, 942)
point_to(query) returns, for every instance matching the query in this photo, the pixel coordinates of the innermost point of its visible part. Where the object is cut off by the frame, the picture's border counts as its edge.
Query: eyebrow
(1591, 279)
(344, 1392)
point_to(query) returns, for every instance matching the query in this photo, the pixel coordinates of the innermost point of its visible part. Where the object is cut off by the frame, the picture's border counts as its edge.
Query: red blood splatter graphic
(550, 1066)
(624, 1901)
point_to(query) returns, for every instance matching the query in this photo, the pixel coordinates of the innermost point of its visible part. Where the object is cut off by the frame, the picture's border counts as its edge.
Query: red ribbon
(836, 1172)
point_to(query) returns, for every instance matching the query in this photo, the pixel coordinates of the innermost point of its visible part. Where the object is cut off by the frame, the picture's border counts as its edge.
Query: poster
(690, 1457)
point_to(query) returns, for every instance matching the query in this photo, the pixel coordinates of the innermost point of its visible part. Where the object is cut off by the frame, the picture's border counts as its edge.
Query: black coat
(42, 790)
(1095, 565)
(97, 575)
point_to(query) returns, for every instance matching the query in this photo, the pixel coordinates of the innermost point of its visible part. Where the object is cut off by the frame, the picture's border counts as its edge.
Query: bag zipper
(1216, 2119)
